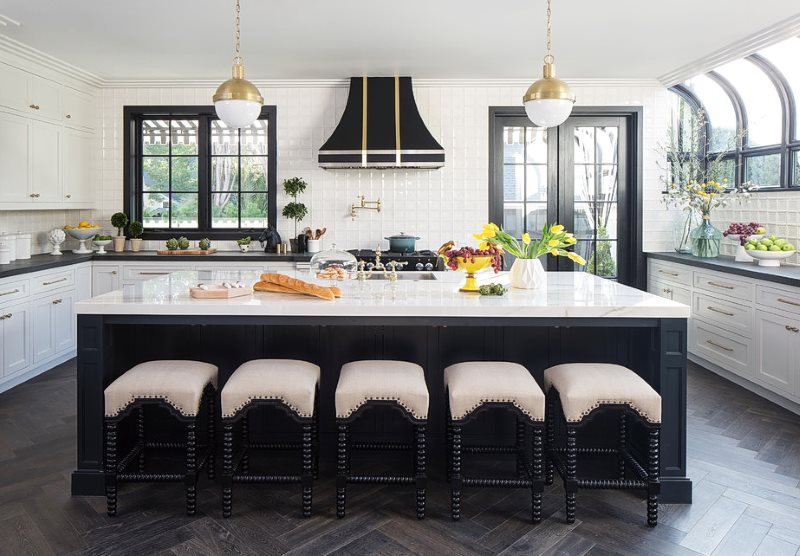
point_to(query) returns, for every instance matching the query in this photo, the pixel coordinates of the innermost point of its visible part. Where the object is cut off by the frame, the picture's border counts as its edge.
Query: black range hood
(381, 128)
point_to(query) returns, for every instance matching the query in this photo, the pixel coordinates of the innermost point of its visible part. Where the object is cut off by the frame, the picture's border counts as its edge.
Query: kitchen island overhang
(576, 317)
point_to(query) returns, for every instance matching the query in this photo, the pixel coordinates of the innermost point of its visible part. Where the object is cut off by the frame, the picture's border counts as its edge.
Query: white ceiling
(293, 39)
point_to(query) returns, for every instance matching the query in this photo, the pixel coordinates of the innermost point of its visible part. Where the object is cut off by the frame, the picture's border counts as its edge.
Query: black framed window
(187, 173)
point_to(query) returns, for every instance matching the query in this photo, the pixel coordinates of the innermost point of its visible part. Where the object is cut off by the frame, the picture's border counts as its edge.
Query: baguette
(277, 288)
(293, 285)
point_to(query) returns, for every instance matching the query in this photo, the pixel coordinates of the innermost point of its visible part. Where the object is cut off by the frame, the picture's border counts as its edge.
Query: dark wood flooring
(744, 460)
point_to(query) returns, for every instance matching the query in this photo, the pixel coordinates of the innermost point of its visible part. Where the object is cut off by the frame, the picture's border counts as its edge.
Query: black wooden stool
(364, 384)
(287, 384)
(180, 387)
(576, 393)
(478, 386)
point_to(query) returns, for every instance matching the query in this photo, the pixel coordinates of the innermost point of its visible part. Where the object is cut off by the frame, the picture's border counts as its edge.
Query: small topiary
(172, 244)
(183, 242)
(244, 241)
(119, 220)
(136, 229)
(205, 244)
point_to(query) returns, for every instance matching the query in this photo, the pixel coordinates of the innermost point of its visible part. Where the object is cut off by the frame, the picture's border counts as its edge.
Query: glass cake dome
(333, 264)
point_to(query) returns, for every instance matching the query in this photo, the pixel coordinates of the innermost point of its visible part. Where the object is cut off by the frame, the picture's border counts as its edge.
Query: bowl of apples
(741, 233)
(769, 250)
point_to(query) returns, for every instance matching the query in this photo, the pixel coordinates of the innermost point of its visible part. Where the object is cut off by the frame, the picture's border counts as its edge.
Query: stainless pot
(402, 243)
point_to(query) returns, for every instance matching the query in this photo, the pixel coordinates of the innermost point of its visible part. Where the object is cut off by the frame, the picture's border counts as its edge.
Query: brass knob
(792, 328)
(32, 195)
(69, 196)
(69, 116)
(34, 106)
(56, 301)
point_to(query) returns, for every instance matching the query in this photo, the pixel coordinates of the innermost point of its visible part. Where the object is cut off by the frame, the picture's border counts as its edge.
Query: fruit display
(451, 255)
(493, 289)
(82, 225)
(741, 231)
(768, 243)
(101, 237)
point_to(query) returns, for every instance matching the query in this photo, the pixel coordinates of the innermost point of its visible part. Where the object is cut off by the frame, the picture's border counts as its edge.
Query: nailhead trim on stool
(288, 384)
(364, 385)
(480, 386)
(647, 477)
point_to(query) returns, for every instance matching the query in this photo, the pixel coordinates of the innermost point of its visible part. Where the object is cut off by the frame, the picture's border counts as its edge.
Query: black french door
(580, 174)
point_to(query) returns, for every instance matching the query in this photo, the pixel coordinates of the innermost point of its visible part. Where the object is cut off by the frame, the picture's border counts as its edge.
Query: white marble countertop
(566, 294)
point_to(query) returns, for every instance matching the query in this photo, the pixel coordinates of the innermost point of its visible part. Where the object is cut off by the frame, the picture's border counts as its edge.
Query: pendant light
(548, 102)
(237, 101)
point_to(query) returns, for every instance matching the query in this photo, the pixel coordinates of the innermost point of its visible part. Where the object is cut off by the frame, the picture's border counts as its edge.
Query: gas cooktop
(416, 260)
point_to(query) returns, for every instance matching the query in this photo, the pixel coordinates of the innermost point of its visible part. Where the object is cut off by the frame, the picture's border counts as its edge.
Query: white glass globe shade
(238, 113)
(548, 112)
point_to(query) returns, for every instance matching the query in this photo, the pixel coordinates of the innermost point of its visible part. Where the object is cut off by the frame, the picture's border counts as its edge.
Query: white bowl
(82, 233)
(770, 258)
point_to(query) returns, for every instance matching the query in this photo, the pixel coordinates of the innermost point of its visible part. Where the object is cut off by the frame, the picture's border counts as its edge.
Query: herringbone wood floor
(744, 460)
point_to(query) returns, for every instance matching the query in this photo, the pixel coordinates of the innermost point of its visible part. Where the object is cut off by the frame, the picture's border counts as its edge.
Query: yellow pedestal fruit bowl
(471, 266)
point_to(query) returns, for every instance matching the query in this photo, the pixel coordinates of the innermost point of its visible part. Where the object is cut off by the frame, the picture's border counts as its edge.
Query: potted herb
(244, 244)
(135, 229)
(294, 210)
(119, 220)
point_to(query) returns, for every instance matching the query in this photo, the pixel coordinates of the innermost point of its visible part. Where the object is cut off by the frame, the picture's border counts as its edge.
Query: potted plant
(136, 229)
(294, 210)
(119, 220)
(527, 271)
(244, 244)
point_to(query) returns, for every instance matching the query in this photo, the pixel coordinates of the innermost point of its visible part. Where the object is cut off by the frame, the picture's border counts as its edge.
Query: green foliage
(119, 220)
(205, 244)
(244, 241)
(294, 186)
(294, 211)
(172, 244)
(603, 263)
(136, 229)
(183, 242)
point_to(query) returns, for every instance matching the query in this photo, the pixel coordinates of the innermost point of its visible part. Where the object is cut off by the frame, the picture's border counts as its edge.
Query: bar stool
(366, 384)
(182, 387)
(285, 383)
(475, 387)
(583, 390)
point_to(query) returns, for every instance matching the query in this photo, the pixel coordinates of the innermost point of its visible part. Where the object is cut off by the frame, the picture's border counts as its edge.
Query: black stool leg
(550, 439)
(520, 445)
(455, 474)
(211, 462)
(315, 438)
(341, 470)
(652, 477)
(420, 470)
(111, 467)
(140, 437)
(448, 427)
(191, 468)
(227, 469)
(245, 462)
(308, 472)
(537, 474)
(623, 443)
(570, 482)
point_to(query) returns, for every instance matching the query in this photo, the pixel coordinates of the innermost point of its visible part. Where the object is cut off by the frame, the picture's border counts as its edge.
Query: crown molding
(789, 27)
(23, 52)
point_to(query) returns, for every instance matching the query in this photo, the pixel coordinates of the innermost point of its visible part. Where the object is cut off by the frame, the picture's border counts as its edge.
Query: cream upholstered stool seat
(475, 386)
(288, 384)
(576, 392)
(370, 383)
(181, 387)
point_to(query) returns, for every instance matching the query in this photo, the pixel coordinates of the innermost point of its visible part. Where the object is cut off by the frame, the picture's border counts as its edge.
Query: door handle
(153, 273)
(669, 273)
(792, 328)
(34, 106)
(10, 292)
(789, 302)
(51, 282)
(57, 301)
(718, 285)
(4, 317)
(726, 313)
(719, 346)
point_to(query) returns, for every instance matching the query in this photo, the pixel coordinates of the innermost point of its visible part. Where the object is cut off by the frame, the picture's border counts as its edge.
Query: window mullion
(204, 173)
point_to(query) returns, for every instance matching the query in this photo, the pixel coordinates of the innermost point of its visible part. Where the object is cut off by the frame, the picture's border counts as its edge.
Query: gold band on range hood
(364, 120)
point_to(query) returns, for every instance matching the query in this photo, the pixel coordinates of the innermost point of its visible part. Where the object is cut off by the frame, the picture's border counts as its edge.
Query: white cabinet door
(43, 343)
(76, 167)
(83, 282)
(14, 92)
(15, 331)
(78, 109)
(44, 97)
(45, 162)
(779, 357)
(14, 145)
(64, 322)
(105, 278)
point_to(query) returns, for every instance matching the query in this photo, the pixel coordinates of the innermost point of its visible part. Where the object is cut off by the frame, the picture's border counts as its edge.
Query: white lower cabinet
(15, 338)
(105, 278)
(53, 325)
(779, 359)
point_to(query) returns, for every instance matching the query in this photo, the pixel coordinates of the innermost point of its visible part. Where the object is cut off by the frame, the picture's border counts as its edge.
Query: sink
(412, 276)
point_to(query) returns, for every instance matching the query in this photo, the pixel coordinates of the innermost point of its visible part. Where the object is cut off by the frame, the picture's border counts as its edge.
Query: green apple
(761, 230)
(774, 248)
(772, 237)
(788, 247)
(750, 247)
(762, 247)
(752, 240)
(765, 242)
(780, 242)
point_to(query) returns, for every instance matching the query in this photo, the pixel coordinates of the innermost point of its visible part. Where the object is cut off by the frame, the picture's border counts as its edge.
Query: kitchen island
(421, 318)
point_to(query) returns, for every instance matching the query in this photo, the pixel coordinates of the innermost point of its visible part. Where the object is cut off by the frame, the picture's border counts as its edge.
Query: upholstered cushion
(291, 381)
(363, 381)
(475, 383)
(584, 386)
(180, 383)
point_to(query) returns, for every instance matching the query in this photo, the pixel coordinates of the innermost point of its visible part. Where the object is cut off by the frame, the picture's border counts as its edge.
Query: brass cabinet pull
(719, 346)
(796, 304)
(113, 272)
(54, 282)
(718, 285)
(10, 292)
(666, 290)
(667, 272)
(68, 196)
(792, 328)
(153, 273)
(726, 313)
(34, 106)
(33, 195)
(57, 301)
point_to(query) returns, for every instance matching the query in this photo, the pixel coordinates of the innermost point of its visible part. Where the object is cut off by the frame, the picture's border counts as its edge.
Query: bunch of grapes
(743, 230)
(469, 254)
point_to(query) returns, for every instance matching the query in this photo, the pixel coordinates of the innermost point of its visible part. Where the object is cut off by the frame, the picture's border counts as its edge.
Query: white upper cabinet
(44, 97)
(14, 91)
(76, 166)
(45, 182)
(14, 144)
(77, 109)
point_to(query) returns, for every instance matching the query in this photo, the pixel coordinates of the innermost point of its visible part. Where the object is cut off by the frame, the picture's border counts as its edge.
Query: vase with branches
(294, 210)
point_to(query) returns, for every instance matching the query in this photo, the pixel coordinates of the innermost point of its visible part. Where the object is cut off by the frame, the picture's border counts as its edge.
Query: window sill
(219, 235)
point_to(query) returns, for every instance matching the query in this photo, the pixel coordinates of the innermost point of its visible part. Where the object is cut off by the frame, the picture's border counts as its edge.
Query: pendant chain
(238, 37)
(548, 59)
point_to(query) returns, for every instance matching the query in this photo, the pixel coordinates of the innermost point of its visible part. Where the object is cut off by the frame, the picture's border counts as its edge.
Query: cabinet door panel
(14, 144)
(45, 96)
(77, 109)
(76, 167)
(45, 156)
(16, 334)
(43, 344)
(105, 278)
(64, 322)
(778, 366)
(14, 92)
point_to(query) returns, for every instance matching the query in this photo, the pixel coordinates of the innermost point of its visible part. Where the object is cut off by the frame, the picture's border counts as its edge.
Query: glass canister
(5, 253)
(706, 239)
(23, 245)
(332, 264)
(11, 243)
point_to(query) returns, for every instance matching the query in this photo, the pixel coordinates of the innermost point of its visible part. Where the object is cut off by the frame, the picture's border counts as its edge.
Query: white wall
(450, 203)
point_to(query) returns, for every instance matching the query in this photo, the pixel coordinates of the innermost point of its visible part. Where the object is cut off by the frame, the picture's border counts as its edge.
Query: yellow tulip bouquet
(554, 241)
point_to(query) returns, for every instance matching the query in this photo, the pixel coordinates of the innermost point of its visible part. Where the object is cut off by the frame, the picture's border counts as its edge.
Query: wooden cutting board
(219, 292)
(186, 251)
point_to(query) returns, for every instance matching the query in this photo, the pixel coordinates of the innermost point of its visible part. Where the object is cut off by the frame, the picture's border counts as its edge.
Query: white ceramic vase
(527, 274)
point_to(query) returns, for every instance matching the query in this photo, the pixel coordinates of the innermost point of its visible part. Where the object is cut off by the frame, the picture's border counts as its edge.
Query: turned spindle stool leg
(140, 437)
(653, 472)
(308, 471)
(623, 445)
(245, 461)
(571, 484)
(455, 474)
(341, 467)
(191, 469)
(420, 473)
(111, 467)
(522, 473)
(227, 469)
(537, 474)
(550, 440)
(210, 434)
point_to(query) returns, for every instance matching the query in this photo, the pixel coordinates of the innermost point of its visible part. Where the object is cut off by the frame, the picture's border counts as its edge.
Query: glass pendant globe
(238, 113)
(548, 112)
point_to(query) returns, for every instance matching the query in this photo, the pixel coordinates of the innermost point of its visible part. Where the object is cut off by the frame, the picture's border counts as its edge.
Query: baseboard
(36, 371)
(753, 387)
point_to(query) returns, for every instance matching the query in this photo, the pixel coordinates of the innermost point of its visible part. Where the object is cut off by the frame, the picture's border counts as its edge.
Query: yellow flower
(570, 241)
(554, 252)
(526, 238)
(489, 230)
(553, 243)
(556, 228)
(479, 237)
(483, 245)
(493, 226)
(576, 258)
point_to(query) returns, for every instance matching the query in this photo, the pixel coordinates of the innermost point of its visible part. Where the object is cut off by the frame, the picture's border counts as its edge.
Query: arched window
(719, 112)
(785, 57)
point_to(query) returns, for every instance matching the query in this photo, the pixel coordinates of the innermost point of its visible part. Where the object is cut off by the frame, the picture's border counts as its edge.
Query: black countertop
(46, 261)
(785, 274)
